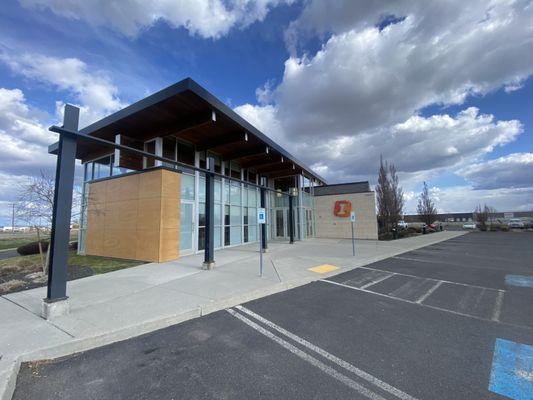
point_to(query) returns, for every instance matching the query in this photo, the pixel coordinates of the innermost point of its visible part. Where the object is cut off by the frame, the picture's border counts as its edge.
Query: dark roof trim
(191, 85)
(342, 188)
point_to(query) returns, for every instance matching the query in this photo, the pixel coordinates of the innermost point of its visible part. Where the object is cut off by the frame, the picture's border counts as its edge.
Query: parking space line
(341, 363)
(423, 305)
(310, 359)
(431, 279)
(498, 306)
(429, 292)
(381, 279)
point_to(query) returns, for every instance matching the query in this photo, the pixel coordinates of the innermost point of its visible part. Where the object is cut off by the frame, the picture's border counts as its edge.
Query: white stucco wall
(330, 226)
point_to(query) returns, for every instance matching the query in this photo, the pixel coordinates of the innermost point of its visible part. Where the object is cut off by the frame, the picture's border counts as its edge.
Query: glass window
(187, 187)
(201, 238)
(235, 193)
(226, 215)
(252, 233)
(201, 214)
(226, 236)
(218, 190)
(252, 197)
(218, 214)
(235, 215)
(235, 170)
(185, 153)
(102, 168)
(251, 176)
(169, 150)
(88, 171)
(149, 147)
(218, 238)
(235, 235)
(245, 215)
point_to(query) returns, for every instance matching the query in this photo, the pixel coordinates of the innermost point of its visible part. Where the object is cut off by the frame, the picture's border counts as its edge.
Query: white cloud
(205, 18)
(363, 77)
(93, 89)
(466, 198)
(511, 171)
(366, 91)
(23, 137)
(417, 146)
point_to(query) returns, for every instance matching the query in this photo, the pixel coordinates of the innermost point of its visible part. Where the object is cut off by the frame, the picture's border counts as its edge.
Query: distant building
(468, 217)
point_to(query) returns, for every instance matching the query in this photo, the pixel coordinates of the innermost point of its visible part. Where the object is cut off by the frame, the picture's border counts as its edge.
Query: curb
(8, 382)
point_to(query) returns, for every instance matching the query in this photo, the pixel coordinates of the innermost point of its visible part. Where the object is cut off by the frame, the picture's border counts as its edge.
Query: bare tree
(397, 201)
(389, 196)
(35, 205)
(426, 209)
(483, 215)
(383, 195)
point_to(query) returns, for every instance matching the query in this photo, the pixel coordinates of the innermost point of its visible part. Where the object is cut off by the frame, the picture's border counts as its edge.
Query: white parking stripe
(377, 281)
(431, 279)
(412, 302)
(498, 306)
(428, 293)
(310, 359)
(344, 364)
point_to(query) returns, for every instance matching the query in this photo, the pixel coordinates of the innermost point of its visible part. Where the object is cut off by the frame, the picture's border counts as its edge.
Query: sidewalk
(126, 303)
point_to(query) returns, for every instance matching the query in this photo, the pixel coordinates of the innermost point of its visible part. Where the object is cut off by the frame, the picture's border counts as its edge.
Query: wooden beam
(267, 159)
(181, 125)
(231, 138)
(246, 152)
(273, 168)
(285, 173)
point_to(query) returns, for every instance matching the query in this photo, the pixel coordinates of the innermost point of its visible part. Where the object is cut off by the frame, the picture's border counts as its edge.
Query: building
(145, 208)
(500, 217)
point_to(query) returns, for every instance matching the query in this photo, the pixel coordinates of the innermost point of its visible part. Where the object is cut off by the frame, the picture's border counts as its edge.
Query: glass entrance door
(186, 228)
(280, 223)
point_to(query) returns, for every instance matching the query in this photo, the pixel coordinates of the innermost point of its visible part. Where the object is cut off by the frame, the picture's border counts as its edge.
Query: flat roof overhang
(189, 112)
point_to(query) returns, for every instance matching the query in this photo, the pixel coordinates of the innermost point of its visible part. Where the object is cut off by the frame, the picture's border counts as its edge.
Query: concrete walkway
(126, 303)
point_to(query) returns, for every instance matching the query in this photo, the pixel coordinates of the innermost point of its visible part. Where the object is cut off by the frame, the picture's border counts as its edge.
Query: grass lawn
(24, 272)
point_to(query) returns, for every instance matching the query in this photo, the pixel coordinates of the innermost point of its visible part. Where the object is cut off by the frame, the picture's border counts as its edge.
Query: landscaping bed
(25, 272)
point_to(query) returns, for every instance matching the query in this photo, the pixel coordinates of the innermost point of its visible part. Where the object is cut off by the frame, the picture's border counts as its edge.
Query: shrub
(32, 248)
(414, 229)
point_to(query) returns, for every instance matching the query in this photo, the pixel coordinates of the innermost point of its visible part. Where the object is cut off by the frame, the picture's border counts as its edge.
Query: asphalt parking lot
(449, 321)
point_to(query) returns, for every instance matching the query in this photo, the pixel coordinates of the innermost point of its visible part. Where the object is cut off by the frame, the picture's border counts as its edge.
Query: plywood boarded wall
(135, 216)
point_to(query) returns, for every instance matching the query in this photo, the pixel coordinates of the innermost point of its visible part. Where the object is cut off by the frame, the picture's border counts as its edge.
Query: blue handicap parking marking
(512, 370)
(519, 280)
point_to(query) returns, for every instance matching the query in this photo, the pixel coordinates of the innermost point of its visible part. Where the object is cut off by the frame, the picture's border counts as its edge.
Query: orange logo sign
(342, 208)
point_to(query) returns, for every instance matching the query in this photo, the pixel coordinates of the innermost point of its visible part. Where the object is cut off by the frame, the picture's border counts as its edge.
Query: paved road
(4, 254)
(449, 321)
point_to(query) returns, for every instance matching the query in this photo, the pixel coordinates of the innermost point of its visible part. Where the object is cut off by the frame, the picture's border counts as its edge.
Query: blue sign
(519, 280)
(512, 370)
(261, 216)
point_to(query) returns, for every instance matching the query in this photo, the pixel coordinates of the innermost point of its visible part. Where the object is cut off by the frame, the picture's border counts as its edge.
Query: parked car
(469, 225)
(402, 225)
(515, 223)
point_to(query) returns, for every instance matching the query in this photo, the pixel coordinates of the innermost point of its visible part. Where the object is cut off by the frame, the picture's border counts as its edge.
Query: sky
(443, 90)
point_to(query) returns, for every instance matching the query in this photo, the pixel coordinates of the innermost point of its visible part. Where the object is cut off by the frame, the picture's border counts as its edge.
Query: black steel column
(262, 199)
(61, 211)
(209, 253)
(291, 220)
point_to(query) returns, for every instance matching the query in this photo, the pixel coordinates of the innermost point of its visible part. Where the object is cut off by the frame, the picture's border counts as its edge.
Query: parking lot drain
(512, 370)
(324, 268)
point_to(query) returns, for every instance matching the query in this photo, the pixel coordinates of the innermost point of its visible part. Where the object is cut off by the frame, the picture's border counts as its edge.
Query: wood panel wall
(135, 216)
